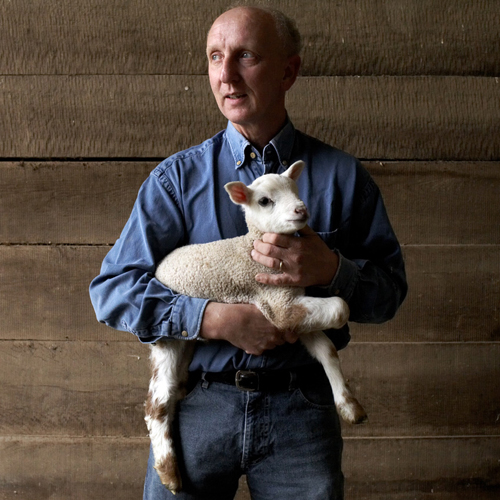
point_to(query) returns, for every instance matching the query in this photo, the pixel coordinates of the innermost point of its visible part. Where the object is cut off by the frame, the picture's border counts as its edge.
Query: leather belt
(272, 380)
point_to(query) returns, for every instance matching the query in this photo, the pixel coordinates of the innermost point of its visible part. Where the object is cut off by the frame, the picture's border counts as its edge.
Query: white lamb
(223, 271)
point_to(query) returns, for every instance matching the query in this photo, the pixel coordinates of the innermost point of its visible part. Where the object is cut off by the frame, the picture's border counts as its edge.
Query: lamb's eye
(263, 202)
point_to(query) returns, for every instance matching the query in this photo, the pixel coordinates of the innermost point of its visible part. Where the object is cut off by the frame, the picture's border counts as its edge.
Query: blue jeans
(287, 443)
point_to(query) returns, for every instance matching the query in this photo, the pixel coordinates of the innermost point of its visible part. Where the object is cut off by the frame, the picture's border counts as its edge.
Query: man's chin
(239, 115)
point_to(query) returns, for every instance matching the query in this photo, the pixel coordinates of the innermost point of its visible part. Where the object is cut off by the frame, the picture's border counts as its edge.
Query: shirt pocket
(338, 238)
(330, 237)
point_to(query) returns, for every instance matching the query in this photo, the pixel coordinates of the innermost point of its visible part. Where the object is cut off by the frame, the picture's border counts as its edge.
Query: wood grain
(73, 388)
(44, 293)
(454, 296)
(418, 118)
(419, 389)
(369, 37)
(67, 202)
(438, 203)
(43, 468)
(98, 388)
(441, 203)
(424, 469)
(392, 469)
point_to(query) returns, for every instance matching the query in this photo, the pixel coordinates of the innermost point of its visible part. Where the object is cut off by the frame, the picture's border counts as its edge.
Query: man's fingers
(267, 249)
(275, 279)
(265, 260)
(274, 239)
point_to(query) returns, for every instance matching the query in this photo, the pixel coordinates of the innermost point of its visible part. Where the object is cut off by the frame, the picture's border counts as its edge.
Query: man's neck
(260, 138)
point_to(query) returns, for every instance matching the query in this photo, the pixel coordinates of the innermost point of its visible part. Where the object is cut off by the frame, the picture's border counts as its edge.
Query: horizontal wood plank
(424, 389)
(416, 118)
(423, 469)
(369, 38)
(454, 295)
(89, 202)
(68, 202)
(387, 469)
(98, 389)
(72, 469)
(443, 118)
(73, 388)
(441, 203)
(44, 292)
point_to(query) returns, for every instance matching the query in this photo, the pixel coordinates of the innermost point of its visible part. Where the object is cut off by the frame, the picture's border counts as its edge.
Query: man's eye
(263, 202)
(246, 55)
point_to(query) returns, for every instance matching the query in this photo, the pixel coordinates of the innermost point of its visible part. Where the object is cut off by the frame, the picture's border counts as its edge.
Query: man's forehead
(242, 23)
(244, 15)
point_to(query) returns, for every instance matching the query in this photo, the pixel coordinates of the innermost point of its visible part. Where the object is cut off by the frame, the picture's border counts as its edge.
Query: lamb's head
(271, 203)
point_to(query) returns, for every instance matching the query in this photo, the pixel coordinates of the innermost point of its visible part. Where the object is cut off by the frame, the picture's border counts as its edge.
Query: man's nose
(229, 72)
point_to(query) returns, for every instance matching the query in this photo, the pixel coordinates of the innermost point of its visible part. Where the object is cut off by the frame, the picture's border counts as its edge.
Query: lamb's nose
(302, 211)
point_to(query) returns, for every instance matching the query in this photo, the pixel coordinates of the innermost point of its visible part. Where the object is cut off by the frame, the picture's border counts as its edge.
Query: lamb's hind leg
(169, 364)
(322, 348)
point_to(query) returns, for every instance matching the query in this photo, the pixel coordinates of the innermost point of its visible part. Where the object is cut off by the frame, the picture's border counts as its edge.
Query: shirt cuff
(185, 320)
(345, 280)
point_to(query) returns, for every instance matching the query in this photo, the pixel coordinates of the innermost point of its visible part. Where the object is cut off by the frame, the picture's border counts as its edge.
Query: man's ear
(238, 192)
(291, 72)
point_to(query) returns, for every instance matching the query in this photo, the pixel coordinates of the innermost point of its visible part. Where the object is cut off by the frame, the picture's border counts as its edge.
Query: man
(285, 436)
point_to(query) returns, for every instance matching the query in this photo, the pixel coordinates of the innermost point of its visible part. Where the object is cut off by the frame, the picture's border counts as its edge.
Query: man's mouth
(235, 97)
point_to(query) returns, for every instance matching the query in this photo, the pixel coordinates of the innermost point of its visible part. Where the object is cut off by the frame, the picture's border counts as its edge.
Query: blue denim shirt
(183, 201)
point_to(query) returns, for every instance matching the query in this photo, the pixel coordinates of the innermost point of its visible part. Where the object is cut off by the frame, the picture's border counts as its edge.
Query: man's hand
(306, 261)
(244, 326)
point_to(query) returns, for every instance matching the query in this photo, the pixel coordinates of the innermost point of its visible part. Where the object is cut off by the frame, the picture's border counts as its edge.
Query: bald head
(284, 28)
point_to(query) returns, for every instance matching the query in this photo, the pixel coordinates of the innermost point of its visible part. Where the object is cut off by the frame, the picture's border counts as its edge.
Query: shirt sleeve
(126, 295)
(371, 275)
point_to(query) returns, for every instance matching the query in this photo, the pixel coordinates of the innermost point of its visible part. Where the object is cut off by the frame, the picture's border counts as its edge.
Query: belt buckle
(246, 380)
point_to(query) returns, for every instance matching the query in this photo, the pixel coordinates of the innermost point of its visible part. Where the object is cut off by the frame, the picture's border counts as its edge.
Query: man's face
(249, 72)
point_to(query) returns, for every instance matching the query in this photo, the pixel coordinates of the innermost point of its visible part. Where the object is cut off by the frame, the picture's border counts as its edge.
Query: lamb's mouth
(302, 220)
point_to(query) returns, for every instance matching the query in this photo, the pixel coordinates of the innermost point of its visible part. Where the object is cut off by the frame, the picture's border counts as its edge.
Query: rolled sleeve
(345, 279)
(185, 320)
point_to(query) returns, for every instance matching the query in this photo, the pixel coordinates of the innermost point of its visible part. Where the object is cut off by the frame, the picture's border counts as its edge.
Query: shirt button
(184, 333)
(284, 163)
(238, 163)
(252, 155)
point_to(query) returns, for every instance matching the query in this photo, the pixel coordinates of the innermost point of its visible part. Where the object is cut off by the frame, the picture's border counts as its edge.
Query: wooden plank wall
(93, 93)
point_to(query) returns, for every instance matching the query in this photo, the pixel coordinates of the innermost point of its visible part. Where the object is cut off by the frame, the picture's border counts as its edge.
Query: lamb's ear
(238, 192)
(294, 170)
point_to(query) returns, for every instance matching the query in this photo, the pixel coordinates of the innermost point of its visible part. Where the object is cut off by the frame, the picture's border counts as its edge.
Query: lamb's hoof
(352, 412)
(342, 313)
(169, 476)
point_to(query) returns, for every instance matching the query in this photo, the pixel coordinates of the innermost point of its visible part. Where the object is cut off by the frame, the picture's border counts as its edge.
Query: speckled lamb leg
(169, 363)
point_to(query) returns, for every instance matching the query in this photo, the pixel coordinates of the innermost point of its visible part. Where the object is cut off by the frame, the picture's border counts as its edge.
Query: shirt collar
(282, 144)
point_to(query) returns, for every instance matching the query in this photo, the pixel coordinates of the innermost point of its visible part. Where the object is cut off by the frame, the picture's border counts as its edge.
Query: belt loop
(293, 381)
(205, 383)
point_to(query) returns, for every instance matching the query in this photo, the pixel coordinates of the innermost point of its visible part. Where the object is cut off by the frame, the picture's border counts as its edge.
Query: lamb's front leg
(322, 313)
(289, 310)
(322, 348)
(169, 364)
